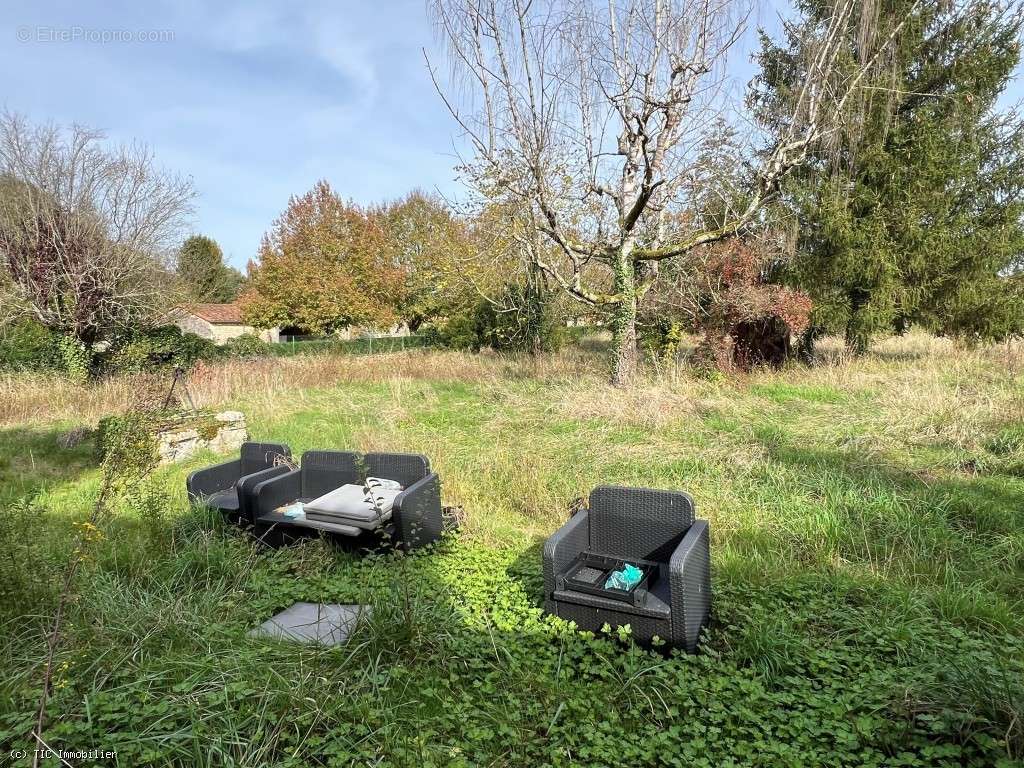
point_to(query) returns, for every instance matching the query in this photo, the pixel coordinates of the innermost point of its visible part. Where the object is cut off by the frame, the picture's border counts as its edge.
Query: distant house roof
(219, 314)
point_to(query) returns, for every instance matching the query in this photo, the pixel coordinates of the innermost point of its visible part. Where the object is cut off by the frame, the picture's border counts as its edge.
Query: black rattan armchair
(633, 525)
(415, 516)
(223, 486)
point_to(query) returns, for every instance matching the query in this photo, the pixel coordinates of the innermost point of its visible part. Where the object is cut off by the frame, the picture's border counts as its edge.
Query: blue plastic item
(295, 511)
(625, 579)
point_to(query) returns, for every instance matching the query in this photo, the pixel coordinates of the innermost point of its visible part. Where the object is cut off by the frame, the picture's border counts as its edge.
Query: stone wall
(220, 432)
(220, 333)
(189, 323)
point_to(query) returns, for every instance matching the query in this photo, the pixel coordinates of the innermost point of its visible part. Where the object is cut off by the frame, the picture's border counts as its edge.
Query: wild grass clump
(32, 560)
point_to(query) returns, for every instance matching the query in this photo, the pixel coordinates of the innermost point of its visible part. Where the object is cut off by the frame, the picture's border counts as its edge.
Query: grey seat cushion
(331, 526)
(225, 501)
(350, 505)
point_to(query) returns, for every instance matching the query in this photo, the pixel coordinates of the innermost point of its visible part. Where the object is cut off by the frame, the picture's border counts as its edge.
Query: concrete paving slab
(313, 623)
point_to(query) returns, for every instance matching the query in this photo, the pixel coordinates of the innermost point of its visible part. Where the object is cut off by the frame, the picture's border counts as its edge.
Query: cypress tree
(202, 269)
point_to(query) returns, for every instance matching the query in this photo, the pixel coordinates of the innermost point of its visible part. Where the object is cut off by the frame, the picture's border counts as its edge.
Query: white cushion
(352, 503)
(384, 483)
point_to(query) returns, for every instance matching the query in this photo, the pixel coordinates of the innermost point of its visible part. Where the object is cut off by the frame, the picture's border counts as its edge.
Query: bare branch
(85, 230)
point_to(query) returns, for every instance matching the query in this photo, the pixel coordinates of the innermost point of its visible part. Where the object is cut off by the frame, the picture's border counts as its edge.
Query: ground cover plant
(867, 545)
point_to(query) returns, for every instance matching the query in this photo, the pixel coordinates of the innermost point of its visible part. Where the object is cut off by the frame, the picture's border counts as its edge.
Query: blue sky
(254, 100)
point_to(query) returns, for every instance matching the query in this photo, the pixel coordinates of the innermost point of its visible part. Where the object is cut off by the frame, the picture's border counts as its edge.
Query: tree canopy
(203, 273)
(85, 230)
(435, 251)
(323, 266)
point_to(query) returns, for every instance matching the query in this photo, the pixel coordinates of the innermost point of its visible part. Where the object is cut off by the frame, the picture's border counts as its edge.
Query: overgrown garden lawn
(868, 568)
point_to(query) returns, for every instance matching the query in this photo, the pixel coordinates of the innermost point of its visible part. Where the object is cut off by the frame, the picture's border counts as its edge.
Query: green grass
(358, 346)
(868, 566)
(781, 392)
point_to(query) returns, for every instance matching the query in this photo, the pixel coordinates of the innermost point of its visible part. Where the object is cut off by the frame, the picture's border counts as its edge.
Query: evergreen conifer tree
(911, 212)
(202, 269)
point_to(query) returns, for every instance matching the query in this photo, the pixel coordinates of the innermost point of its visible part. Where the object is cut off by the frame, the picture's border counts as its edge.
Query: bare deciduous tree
(84, 228)
(597, 121)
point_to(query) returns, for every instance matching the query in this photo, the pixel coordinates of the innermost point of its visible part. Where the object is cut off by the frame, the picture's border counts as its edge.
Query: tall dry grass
(928, 390)
(35, 398)
(917, 370)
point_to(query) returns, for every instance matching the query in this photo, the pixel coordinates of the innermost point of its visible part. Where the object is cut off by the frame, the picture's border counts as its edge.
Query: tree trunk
(535, 311)
(856, 338)
(624, 351)
(805, 350)
(857, 334)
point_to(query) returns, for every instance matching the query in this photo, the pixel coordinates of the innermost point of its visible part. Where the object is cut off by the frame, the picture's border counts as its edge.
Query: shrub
(523, 319)
(247, 345)
(727, 296)
(518, 320)
(29, 346)
(130, 437)
(662, 337)
(165, 347)
(457, 332)
(76, 359)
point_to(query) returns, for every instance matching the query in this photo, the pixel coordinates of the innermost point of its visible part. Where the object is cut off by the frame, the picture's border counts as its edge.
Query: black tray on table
(589, 571)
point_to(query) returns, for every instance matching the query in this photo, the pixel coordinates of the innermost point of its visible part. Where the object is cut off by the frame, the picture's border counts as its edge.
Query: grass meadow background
(867, 521)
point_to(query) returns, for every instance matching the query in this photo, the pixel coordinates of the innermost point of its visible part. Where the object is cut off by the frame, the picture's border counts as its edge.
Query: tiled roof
(227, 314)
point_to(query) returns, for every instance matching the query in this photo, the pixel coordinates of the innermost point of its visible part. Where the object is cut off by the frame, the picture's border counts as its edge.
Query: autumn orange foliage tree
(323, 266)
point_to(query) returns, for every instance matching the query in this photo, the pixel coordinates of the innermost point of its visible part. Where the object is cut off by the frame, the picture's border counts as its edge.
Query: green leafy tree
(203, 272)
(433, 248)
(911, 209)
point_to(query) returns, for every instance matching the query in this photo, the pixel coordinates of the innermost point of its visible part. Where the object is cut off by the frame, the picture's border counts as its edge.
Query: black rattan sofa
(635, 525)
(225, 486)
(415, 518)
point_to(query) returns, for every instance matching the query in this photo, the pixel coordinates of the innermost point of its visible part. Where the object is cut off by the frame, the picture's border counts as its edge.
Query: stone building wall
(220, 333)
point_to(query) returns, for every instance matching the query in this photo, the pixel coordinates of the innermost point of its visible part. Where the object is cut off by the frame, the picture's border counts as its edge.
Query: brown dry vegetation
(918, 372)
(36, 398)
